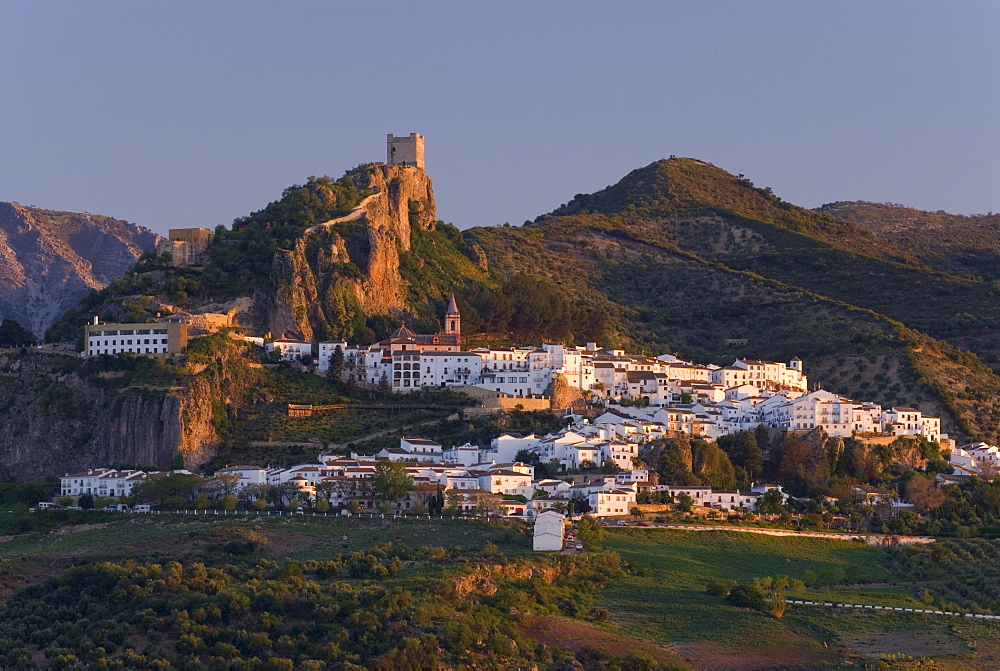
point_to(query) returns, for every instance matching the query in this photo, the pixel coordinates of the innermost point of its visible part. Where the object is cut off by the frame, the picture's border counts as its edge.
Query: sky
(182, 114)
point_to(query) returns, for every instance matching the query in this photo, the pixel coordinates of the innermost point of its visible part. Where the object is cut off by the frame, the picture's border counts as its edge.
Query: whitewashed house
(289, 349)
(548, 534)
(611, 502)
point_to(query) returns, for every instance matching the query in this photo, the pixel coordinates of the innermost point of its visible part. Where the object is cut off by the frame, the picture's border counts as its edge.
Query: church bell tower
(453, 320)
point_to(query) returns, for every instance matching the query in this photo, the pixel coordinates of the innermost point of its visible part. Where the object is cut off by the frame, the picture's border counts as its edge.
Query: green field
(663, 599)
(189, 537)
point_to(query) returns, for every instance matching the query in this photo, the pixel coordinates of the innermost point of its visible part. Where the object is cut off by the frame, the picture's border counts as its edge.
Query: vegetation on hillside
(664, 598)
(690, 256)
(382, 606)
(956, 244)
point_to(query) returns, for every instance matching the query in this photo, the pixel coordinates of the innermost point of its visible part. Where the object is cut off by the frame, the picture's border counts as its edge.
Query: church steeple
(453, 319)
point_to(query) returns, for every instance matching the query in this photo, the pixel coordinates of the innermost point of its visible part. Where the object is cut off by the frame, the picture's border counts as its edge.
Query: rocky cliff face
(63, 414)
(50, 260)
(316, 285)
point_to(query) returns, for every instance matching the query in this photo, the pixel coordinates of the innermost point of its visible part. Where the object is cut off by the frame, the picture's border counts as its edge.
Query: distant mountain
(50, 260)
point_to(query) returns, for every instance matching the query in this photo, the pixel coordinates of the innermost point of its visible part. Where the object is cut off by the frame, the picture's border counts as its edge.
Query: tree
(528, 457)
(224, 484)
(86, 501)
(636, 513)
(753, 458)
(685, 503)
(487, 504)
(746, 596)
(172, 491)
(921, 492)
(590, 530)
(383, 384)
(229, 502)
(390, 480)
(775, 605)
(771, 502)
(12, 334)
(672, 469)
(987, 469)
(336, 364)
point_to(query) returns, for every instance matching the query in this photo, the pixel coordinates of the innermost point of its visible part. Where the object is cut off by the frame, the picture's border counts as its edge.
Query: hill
(50, 260)
(690, 256)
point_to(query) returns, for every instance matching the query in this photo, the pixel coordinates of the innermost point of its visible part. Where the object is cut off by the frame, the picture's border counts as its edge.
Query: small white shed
(549, 529)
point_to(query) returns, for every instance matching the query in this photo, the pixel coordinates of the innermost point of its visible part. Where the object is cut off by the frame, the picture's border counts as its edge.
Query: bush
(719, 588)
(776, 605)
(746, 596)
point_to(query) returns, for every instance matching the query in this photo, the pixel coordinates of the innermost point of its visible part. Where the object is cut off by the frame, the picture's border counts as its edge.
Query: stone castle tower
(452, 319)
(405, 150)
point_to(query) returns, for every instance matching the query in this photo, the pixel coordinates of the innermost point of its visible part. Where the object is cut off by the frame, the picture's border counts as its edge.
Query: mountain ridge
(49, 260)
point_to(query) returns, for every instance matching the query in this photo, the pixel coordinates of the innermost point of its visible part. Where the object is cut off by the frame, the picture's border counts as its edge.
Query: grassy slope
(663, 599)
(956, 244)
(199, 538)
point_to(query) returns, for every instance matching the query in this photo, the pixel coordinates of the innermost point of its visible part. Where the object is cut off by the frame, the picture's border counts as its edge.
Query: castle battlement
(405, 150)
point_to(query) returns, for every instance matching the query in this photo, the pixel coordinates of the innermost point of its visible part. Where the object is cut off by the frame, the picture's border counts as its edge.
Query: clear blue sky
(177, 113)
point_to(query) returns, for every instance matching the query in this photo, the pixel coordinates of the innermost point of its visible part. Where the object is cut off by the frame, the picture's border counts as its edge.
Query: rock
(479, 256)
(310, 298)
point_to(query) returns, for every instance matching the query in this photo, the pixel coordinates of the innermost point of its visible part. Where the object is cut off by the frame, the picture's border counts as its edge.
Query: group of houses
(672, 395)
(467, 477)
(679, 396)
(980, 459)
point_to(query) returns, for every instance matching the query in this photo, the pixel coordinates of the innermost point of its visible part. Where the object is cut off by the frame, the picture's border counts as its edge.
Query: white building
(911, 422)
(549, 529)
(104, 482)
(248, 475)
(289, 350)
(413, 449)
(611, 502)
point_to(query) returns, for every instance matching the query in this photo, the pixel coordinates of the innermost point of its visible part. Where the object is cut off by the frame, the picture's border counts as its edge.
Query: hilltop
(50, 260)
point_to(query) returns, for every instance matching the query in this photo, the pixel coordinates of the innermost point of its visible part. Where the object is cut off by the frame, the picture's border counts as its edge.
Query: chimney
(97, 320)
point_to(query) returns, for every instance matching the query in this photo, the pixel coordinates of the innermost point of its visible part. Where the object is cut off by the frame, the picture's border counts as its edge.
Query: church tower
(453, 320)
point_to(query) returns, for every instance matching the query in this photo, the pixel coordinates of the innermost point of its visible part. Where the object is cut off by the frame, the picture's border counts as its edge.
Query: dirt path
(356, 213)
(384, 432)
(871, 539)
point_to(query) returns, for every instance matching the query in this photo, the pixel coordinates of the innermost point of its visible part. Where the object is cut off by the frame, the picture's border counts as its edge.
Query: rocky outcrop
(318, 283)
(406, 200)
(65, 414)
(50, 260)
(562, 395)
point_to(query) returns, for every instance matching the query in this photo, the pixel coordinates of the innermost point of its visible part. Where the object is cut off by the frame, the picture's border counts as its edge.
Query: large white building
(157, 338)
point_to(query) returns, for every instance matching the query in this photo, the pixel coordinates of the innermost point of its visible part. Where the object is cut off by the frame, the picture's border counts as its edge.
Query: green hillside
(689, 256)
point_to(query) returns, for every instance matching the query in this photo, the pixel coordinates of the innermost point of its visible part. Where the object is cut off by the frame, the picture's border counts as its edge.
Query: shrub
(776, 605)
(719, 588)
(746, 596)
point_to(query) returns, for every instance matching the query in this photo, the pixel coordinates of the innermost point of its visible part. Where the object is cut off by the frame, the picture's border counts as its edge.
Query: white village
(643, 399)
